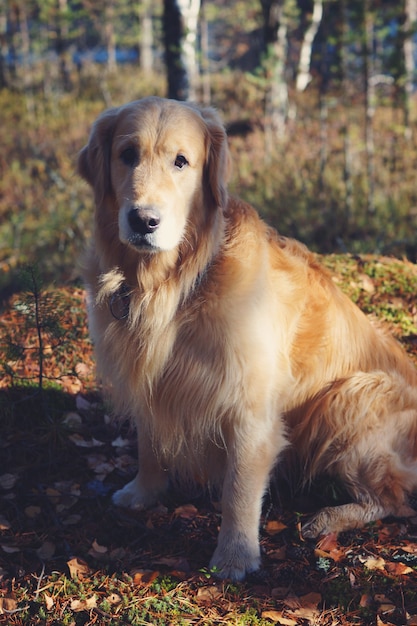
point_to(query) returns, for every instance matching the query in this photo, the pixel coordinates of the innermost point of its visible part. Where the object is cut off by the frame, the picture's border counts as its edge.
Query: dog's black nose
(143, 221)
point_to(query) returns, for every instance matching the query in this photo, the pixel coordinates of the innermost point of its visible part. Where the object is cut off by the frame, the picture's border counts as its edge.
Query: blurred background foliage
(318, 97)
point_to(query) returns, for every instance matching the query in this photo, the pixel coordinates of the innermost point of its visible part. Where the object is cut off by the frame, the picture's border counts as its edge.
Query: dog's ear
(218, 161)
(94, 158)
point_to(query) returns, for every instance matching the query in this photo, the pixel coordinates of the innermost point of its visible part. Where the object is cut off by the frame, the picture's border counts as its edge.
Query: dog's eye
(180, 161)
(129, 156)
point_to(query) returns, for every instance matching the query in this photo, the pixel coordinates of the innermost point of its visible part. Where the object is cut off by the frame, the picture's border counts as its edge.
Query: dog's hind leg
(380, 487)
(348, 516)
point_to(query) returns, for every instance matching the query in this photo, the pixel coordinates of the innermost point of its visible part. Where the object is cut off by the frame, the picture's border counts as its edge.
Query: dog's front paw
(235, 559)
(135, 496)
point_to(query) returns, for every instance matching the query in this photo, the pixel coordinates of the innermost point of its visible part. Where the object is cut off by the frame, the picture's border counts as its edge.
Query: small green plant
(41, 334)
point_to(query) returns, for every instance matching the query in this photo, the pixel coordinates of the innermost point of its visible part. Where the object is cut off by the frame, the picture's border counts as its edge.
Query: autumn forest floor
(68, 556)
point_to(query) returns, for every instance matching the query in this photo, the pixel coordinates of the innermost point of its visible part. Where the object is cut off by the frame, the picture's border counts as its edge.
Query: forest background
(318, 98)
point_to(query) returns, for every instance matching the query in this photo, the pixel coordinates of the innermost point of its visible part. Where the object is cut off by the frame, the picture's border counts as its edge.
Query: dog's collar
(120, 302)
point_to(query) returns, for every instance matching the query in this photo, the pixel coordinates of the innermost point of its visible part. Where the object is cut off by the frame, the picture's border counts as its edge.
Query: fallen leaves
(78, 568)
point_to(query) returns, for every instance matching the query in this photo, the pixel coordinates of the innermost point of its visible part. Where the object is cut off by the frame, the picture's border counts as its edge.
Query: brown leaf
(32, 511)
(209, 594)
(114, 598)
(84, 605)
(4, 523)
(366, 600)
(273, 527)
(310, 600)
(7, 605)
(8, 481)
(187, 511)
(145, 576)
(78, 568)
(398, 569)
(372, 562)
(46, 550)
(49, 601)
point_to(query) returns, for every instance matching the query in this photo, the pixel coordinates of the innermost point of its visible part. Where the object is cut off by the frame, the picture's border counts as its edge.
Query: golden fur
(227, 343)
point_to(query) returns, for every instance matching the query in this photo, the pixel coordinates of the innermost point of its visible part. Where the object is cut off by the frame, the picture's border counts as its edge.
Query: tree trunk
(146, 43)
(205, 65)
(110, 36)
(276, 97)
(409, 52)
(369, 105)
(303, 74)
(177, 77)
(190, 10)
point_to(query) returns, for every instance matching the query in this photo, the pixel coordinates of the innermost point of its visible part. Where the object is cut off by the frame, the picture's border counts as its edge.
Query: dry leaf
(187, 511)
(98, 548)
(120, 442)
(279, 593)
(8, 481)
(310, 600)
(84, 605)
(366, 600)
(372, 562)
(367, 283)
(10, 549)
(209, 594)
(145, 576)
(32, 511)
(277, 616)
(398, 569)
(78, 568)
(114, 598)
(82, 369)
(46, 550)
(178, 563)
(7, 605)
(49, 601)
(85, 443)
(274, 527)
(72, 420)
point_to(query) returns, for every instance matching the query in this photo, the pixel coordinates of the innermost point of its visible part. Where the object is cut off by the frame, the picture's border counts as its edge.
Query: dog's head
(156, 163)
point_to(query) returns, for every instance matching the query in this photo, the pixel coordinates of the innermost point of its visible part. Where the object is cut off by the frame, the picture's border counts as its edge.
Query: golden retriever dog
(227, 343)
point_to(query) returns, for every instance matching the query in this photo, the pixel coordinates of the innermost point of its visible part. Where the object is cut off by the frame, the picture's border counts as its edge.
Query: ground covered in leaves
(69, 557)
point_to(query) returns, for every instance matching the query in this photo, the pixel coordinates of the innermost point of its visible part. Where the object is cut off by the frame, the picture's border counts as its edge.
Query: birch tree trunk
(146, 42)
(409, 52)
(110, 35)
(276, 97)
(303, 74)
(190, 10)
(369, 89)
(180, 35)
